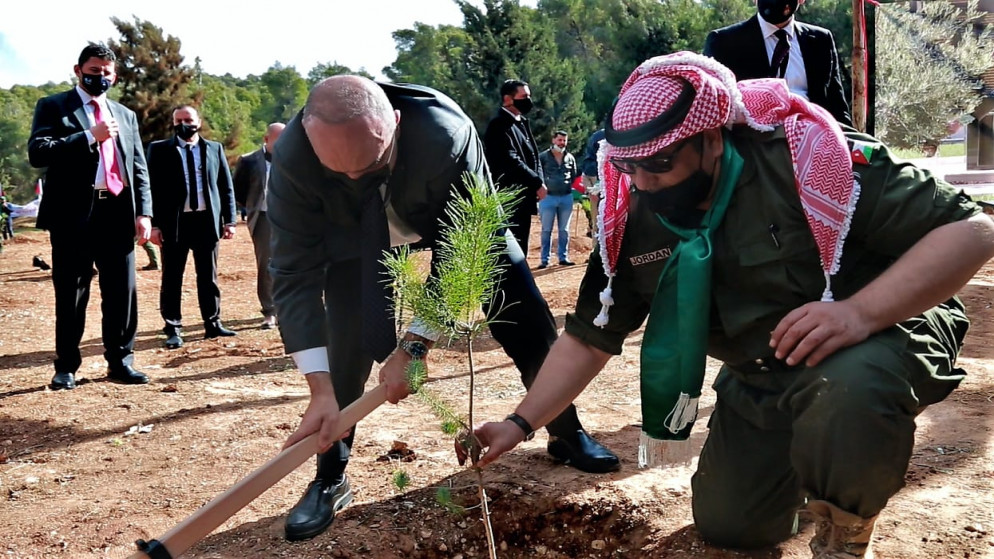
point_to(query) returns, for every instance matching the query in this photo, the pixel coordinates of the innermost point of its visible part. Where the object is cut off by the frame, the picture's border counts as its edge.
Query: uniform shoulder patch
(861, 152)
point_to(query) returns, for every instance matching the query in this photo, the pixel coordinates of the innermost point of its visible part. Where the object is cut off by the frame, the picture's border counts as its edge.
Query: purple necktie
(781, 54)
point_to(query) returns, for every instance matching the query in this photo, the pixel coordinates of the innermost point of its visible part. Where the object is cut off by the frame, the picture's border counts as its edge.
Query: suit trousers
(197, 233)
(521, 221)
(525, 330)
(841, 431)
(107, 242)
(264, 282)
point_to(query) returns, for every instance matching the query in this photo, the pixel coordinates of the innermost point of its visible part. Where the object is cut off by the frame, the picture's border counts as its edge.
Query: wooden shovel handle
(202, 522)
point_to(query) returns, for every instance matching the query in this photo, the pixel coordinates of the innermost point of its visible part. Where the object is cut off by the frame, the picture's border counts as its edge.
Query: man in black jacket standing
(194, 204)
(773, 44)
(96, 204)
(513, 156)
(366, 166)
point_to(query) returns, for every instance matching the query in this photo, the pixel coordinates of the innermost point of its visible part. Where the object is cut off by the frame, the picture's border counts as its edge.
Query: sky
(40, 40)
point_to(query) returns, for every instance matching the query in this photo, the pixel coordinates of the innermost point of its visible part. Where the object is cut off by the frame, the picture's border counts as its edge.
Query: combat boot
(840, 534)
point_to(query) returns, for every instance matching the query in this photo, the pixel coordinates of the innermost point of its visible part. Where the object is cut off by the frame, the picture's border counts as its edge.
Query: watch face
(416, 350)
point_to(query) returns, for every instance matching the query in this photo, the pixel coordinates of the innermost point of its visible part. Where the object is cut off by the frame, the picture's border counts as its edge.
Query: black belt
(763, 365)
(104, 194)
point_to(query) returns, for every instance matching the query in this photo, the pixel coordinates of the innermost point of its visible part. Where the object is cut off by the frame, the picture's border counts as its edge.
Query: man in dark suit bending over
(773, 44)
(96, 203)
(366, 166)
(194, 203)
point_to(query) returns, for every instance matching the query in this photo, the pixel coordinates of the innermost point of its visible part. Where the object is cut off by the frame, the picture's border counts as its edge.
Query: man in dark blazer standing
(807, 59)
(96, 204)
(195, 207)
(251, 182)
(513, 156)
(366, 166)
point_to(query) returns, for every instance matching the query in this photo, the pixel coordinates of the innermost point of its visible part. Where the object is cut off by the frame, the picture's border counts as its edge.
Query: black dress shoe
(567, 263)
(174, 341)
(127, 375)
(315, 511)
(581, 451)
(215, 330)
(63, 381)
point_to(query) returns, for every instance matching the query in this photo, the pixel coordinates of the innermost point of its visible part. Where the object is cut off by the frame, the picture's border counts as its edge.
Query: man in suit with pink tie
(97, 203)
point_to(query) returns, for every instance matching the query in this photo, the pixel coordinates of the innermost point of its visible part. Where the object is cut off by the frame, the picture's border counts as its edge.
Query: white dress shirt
(796, 75)
(201, 205)
(100, 180)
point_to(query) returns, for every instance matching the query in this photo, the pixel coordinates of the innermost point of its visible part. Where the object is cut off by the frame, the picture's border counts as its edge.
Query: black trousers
(106, 241)
(264, 282)
(526, 331)
(521, 222)
(197, 233)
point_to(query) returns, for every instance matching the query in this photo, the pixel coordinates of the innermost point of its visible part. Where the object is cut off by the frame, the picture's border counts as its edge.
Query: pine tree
(151, 78)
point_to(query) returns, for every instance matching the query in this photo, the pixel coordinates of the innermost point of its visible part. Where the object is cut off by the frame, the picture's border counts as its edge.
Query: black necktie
(781, 54)
(379, 336)
(191, 174)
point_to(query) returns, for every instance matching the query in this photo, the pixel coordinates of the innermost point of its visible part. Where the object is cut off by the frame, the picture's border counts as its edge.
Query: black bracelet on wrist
(523, 424)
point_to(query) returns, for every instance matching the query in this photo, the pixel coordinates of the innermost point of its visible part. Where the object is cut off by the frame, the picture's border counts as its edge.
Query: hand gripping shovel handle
(202, 522)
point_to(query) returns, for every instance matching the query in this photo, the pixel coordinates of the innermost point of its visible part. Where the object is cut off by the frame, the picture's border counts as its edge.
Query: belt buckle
(103, 194)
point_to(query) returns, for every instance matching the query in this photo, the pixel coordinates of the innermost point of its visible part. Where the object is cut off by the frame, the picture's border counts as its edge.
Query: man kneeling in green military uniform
(746, 225)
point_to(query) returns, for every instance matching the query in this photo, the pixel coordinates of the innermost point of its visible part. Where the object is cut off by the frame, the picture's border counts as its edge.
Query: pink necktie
(112, 172)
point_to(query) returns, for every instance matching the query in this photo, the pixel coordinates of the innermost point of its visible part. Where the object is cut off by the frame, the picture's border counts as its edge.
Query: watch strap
(523, 424)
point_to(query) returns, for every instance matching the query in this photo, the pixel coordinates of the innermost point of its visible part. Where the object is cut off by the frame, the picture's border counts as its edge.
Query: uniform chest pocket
(783, 261)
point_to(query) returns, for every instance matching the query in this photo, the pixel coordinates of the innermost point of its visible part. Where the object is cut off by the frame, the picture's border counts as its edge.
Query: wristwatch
(414, 348)
(523, 424)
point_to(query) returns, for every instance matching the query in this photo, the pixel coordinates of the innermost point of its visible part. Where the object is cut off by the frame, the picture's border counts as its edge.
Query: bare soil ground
(74, 483)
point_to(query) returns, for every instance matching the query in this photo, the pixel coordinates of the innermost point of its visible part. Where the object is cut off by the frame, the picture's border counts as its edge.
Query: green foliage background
(574, 53)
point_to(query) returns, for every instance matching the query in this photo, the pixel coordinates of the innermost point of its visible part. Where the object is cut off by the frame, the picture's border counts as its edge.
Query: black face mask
(185, 131)
(94, 84)
(776, 11)
(524, 105)
(679, 203)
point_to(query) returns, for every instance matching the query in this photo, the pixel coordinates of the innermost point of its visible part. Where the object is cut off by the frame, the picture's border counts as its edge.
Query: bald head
(351, 125)
(273, 132)
(339, 99)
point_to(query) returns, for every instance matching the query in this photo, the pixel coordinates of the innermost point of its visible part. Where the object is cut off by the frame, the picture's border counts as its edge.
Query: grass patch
(945, 150)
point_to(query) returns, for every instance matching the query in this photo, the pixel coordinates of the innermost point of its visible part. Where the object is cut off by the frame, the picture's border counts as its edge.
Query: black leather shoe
(63, 381)
(542, 266)
(127, 375)
(174, 341)
(581, 451)
(567, 263)
(315, 511)
(215, 330)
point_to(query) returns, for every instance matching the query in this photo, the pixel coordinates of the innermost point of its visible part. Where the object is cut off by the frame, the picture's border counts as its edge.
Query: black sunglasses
(652, 164)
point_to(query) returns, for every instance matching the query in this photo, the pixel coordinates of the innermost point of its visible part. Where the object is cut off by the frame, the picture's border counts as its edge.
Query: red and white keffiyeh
(822, 163)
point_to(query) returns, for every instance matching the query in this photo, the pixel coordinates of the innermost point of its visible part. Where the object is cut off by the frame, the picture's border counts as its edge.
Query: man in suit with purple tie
(773, 44)
(97, 203)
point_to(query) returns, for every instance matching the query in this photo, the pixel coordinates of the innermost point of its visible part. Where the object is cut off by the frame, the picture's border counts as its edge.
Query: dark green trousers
(841, 431)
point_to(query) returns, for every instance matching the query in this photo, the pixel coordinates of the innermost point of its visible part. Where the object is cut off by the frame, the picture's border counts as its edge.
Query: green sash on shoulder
(674, 346)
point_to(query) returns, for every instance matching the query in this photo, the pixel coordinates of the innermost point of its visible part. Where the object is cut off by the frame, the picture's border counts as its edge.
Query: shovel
(202, 522)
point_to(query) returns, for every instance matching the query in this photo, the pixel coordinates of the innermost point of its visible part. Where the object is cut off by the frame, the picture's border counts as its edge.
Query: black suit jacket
(250, 184)
(168, 176)
(58, 142)
(742, 48)
(314, 212)
(513, 157)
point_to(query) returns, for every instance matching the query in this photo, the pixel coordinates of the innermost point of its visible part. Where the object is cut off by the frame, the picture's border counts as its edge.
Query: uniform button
(765, 369)
(759, 361)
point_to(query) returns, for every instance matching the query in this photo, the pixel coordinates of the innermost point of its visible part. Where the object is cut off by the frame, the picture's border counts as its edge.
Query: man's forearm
(568, 369)
(930, 272)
